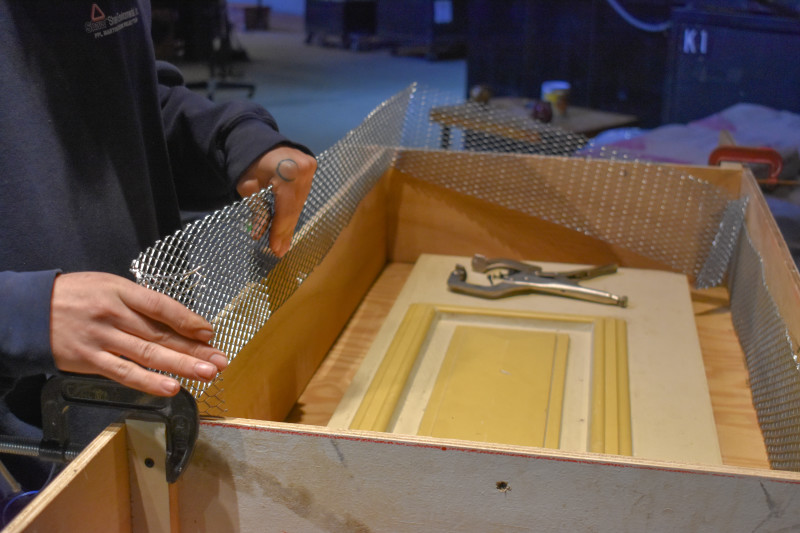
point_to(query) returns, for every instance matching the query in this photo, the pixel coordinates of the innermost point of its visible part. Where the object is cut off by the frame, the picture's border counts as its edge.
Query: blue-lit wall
(294, 7)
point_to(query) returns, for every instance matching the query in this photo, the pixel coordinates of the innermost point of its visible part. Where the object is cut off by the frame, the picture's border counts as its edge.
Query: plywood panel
(270, 373)
(459, 217)
(740, 438)
(779, 267)
(424, 218)
(92, 493)
(252, 476)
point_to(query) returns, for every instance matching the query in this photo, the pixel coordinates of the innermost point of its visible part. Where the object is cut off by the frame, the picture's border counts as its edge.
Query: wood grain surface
(740, 439)
(92, 493)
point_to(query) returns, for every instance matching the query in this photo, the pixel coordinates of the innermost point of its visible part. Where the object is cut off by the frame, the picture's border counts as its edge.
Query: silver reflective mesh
(722, 247)
(659, 212)
(434, 120)
(662, 213)
(221, 267)
(218, 269)
(771, 356)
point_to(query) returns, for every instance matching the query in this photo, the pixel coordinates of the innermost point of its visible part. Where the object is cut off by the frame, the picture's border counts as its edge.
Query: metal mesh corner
(772, 359)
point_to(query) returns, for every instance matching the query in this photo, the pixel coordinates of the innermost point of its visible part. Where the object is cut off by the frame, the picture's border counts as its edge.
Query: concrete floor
(317, 94)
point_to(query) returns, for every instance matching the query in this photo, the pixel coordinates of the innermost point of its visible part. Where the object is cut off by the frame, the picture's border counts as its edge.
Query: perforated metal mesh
(771, 356)
(221, 267)
(661, 212)
(435, 120)
(216, 267)
(658, 211)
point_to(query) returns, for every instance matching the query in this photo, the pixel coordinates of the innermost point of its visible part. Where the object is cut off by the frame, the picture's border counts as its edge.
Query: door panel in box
(670, 410)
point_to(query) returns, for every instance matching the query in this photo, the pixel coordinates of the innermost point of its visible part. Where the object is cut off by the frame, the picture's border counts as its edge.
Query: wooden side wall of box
(248, 475)
(270, 373)
(780, 272)
(91, 494)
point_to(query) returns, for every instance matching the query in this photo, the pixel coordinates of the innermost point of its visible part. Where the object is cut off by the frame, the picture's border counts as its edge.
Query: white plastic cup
(557, 93)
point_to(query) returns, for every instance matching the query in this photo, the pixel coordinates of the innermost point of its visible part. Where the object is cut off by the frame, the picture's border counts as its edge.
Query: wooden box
(274, 466)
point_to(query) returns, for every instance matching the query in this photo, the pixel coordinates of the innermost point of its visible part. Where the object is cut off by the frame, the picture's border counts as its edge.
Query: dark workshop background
(321, 66)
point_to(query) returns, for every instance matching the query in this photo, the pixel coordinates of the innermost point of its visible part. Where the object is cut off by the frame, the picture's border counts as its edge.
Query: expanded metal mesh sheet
(655, 211)
(658, 211)
(218, 269)
(434, 120)
(221, 266)
(771, 357)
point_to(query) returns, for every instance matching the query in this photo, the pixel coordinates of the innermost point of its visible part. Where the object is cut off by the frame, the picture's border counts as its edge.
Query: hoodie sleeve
(210, 144)
(25, 323)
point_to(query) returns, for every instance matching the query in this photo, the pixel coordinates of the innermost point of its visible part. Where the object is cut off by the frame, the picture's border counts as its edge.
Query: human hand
(105, 324)
(290, 172)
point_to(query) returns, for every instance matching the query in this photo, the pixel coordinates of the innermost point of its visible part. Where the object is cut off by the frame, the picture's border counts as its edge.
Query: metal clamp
(179, 414)
(509, 277)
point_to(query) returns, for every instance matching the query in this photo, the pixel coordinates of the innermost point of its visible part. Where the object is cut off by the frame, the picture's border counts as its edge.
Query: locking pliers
(509, 277)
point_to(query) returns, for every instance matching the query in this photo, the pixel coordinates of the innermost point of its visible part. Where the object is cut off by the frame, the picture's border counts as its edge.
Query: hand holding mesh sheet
(290, 173)
(217, 267)
(107, 325)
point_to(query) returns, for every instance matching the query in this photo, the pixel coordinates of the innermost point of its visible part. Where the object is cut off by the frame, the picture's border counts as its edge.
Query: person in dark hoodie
(97, 158)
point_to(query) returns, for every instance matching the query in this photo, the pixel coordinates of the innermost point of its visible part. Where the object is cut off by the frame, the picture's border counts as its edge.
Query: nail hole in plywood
(503, 486)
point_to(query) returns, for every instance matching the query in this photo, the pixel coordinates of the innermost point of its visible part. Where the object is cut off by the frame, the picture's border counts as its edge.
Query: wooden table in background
(582, 120)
